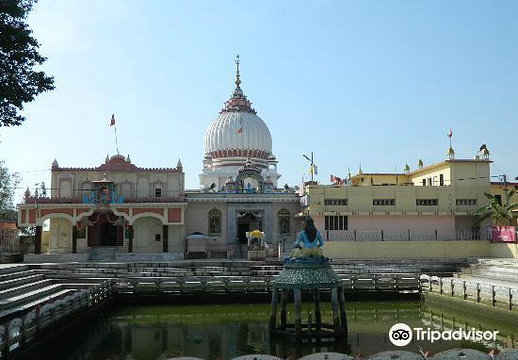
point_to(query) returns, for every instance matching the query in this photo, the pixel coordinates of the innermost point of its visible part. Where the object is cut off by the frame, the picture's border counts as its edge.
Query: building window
(466, 202)
(424, 182)
(426, 202)
(441, 180)
(339, 202)
(214, 222)
(384, 202)
(157, 237)
(284, 222)
(336, 222)
(430, 181)
(158, 192)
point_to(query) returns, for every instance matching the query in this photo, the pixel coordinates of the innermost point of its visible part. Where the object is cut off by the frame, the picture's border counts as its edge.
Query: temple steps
(22, 288)
(25, 288)
(504, 270)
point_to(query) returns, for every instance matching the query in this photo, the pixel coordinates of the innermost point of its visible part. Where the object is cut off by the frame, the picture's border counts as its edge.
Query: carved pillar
(37, 240)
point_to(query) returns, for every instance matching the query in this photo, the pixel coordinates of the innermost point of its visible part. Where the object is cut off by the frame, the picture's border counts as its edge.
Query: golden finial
(238, 81)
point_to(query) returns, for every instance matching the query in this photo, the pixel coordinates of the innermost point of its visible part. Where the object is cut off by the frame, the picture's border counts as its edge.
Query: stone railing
(408, 235)
(19, 333)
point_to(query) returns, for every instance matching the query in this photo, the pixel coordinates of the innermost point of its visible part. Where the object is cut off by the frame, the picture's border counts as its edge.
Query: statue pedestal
(256, 254)
(310, 277)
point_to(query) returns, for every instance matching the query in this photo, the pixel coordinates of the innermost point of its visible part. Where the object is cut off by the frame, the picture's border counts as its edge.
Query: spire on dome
(238, 101)
(238, 81)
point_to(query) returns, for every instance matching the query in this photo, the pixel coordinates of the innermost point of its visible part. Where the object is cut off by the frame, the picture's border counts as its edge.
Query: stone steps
(8, 284)
(29, 296)
(21, 308)
(25, 288)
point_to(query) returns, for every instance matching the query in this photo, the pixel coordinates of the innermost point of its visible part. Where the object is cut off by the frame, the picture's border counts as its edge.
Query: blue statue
(309, 242)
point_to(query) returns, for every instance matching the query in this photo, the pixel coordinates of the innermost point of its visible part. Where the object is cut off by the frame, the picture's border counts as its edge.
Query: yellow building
(430, 203)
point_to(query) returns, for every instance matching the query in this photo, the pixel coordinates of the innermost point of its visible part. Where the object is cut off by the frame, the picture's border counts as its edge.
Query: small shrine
(256, 245)
(307, 274)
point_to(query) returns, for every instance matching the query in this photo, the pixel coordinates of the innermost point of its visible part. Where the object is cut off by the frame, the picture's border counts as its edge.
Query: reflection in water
(227, 331)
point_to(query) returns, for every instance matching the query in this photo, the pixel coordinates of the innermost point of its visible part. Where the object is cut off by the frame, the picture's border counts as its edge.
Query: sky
(371, 83)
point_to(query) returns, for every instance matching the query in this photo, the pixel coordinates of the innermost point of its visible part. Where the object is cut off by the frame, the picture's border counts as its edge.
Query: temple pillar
(273, 311)
(74, 239)
(298, 312)
(130, 240)
(165, 238)
(318, 314)
(37, 240)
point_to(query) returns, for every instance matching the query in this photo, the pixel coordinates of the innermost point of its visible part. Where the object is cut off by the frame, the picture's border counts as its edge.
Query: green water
(226, 331)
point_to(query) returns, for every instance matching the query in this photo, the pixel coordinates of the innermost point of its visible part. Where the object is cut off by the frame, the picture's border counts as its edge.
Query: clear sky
(372, 82)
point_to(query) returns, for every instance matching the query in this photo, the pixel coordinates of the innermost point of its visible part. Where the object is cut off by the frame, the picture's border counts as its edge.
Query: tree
(8, 183)
(19, 82)
(499, 210)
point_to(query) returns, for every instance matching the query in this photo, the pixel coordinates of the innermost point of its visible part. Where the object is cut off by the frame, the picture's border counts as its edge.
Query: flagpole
(116, 142)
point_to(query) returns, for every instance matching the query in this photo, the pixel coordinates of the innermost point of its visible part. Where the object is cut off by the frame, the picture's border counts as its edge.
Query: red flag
(450, 133)
(240, 130)
(112, 121)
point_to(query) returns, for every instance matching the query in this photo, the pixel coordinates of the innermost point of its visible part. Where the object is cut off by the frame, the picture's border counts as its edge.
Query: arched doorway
(248, 221)
(105, 229)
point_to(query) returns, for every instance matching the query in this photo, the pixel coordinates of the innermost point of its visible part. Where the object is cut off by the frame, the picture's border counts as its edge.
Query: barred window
(340, 202)
(284, 222)
(466, 202)
(384, 202)
(336, 222)
(426, 202)
(214, 222)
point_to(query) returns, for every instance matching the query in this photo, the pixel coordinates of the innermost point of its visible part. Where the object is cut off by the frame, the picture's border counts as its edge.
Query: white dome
(238, 133)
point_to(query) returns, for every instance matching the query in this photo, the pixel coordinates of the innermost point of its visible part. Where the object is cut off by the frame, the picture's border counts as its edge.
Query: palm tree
(501, 212)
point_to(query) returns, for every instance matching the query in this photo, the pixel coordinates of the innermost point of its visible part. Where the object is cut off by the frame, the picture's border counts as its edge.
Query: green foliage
(19, 82)
(501, 214)
(8, 183)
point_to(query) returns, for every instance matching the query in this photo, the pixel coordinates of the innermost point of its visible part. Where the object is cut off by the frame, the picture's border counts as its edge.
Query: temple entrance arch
(108, 234)
(248, 221)
(105, 229)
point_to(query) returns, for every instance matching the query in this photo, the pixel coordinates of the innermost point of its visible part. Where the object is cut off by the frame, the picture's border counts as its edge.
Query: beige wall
(128, 184)
(406, 249)
(504, 250)
(60, 236)
(197, 219)
(145, 230)
(295, 223)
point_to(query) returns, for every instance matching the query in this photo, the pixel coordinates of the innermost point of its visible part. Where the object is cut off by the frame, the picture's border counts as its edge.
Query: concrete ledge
(406, 249)
(170, 256)
(50, 258)
(476, 309)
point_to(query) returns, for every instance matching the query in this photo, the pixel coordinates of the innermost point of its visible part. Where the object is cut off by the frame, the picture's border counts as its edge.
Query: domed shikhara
(238, 134)
(235, 135)
(238, 131)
